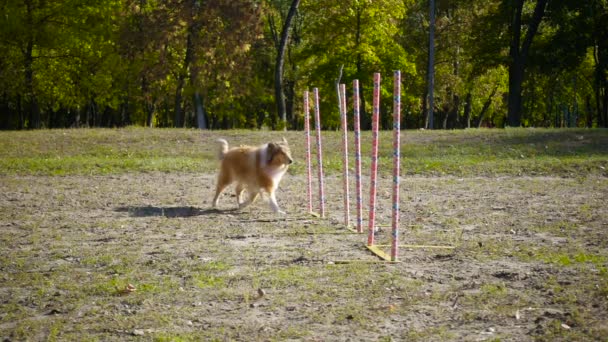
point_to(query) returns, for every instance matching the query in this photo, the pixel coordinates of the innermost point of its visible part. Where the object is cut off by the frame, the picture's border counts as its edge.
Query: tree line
(217, 64)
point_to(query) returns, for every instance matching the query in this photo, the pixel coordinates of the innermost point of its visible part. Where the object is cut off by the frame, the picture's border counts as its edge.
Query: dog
(254, 169)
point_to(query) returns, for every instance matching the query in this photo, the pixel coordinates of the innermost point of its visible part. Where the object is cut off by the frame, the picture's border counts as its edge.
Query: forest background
(220, 64)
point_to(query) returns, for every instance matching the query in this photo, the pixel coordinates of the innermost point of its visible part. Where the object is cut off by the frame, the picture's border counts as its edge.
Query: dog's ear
(272, 150)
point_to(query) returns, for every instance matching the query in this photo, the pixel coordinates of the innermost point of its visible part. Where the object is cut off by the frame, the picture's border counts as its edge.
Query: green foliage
(116, 63)
(362, 36)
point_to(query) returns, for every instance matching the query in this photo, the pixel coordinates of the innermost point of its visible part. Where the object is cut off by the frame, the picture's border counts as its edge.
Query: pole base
(376, 249)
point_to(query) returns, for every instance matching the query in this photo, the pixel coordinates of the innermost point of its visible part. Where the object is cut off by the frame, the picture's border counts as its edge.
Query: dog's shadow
(151, 211)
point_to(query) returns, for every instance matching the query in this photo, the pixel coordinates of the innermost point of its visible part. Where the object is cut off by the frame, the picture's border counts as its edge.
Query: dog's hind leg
(223, 180)
(239, 191)
(253, 195)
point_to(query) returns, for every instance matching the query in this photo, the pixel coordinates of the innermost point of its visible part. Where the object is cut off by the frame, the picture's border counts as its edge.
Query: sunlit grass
(566, 152)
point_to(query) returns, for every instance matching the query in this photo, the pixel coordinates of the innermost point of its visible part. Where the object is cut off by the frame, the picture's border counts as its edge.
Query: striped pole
(319, 154)
(374, 172)
(396, 161)
(357, 130)
(345, 154)
(308, 161)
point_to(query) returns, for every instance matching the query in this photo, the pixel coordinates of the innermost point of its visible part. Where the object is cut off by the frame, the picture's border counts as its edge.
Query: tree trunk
(181, 78)
(467, 109)
(518, 53)
(197, 100)
(455, 123)
(365, 121)
(600, 55)
(337, 85)
(87, 119)
(290, 89)
(514, 101)
(431, 65)
(424, 118)
(150, 114)
(20, 112)
(124, 113)
(148, 106)
(597, 87)
(278, 71)
(95, 111)
(201, 121)
(453, 114)
(486, 106)
(605, 107)
(31, 103)
(178, 120)
(589, 110)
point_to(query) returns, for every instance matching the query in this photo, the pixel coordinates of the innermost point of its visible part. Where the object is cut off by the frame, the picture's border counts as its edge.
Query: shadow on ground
(149, 211)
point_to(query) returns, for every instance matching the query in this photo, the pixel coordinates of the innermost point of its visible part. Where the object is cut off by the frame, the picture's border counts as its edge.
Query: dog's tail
(223, 148)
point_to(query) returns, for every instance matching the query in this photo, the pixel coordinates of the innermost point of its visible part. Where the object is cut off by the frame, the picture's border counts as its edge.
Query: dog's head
(279, 153)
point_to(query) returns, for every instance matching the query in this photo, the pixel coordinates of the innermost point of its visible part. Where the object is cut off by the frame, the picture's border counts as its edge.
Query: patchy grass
(462, 153)
(123, 244)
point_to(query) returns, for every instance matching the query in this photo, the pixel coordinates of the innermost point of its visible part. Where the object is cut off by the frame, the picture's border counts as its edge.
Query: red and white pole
(319, 154)
(345, 154)
(396, 163)
(374, 171)
(308, 160)
(357, 129)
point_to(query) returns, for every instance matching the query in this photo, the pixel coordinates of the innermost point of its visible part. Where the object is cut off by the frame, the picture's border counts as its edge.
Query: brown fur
(254, 169)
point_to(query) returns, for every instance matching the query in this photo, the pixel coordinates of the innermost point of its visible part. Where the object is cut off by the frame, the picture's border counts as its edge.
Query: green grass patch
(562, 258)
(210, 275)
(564, 152)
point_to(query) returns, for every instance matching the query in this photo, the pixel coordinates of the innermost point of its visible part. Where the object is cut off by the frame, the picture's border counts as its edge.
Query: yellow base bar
(376, 249)
(353, 229)
(375, 261)
(427, 246)
(380, 253)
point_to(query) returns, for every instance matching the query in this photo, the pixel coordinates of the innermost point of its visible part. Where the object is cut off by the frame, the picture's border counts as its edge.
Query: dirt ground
(529, 261)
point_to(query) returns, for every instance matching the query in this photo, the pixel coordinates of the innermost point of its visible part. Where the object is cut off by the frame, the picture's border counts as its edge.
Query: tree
(599, 10)
(431, 65)
(362, 36)
(56, 45)
(244, 63)
(281, 45)
(217, 36)
(518, 52)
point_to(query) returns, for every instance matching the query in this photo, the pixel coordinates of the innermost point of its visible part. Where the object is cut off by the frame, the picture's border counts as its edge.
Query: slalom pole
(357, 129)
(374, 171)
(396, 163)
(308, 161)
(319, 154)
(345, 154)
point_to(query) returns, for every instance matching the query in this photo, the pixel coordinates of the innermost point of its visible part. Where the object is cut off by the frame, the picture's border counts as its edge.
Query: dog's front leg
(274, 205)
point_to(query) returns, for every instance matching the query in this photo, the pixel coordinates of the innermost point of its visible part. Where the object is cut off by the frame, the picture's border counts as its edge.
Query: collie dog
(254, 169)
